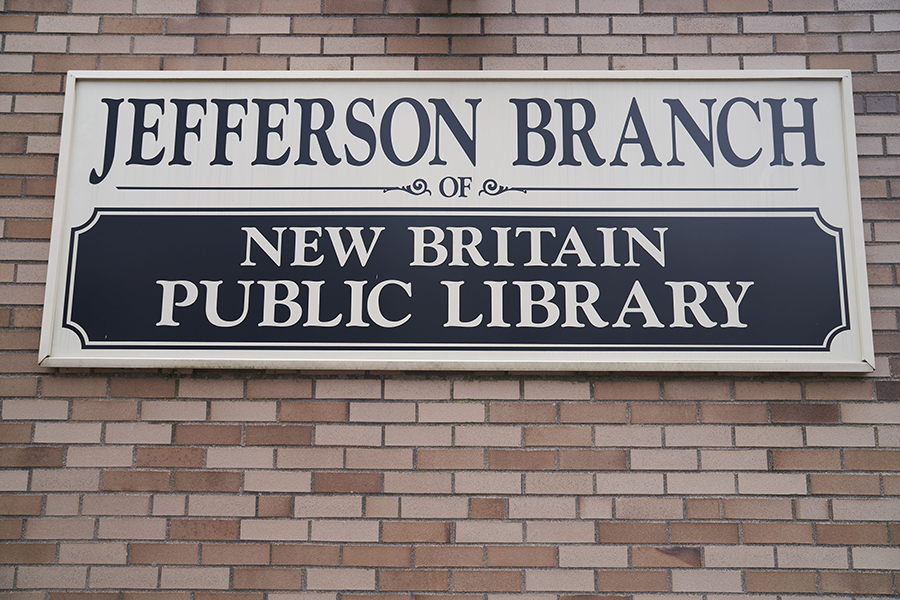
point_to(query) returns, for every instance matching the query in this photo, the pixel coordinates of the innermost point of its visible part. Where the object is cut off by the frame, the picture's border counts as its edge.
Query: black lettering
(569, 132)
(222, 128)
(642, 138)
(140, 128)
(109, 150)
(387, 142)
(523, 130)
(360, 130)
(181, 128)
(321, 133)
(264, 129)
(445, 114)
(808, 130)
(704, 142)
(722, 134)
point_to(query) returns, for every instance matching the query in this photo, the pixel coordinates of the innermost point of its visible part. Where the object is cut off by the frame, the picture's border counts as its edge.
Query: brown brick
(10, 529)
(29, 554)
(313, 412)
(12, 144)
(169, 457)
(487, 508)
(450, 458)
(395, 25)
(140, 25)
(733, 413)
(487, 581)
(347, 483)
(18, 340)
(104, 410)
(482, 44)
(16, 23)
(235, 554)
(447, 556)
(853, 485)
(872, 460)
(862, 534)
(274, 506)
(31, 457)
(41, 6)
(777, 533)
(164, 553)
(268, 579)
(633, 581)
(592, 460)
(663, 413)
(444, 63)
(279, 388)
(142, 388)
(33, 230)
(407, 531)
(98, 596)
(135, 481)
(737, 6)
(18, 386)
(702, 508)
(207, 596)
(806, 460)
(757, 508)
(558, 436)
(418, 580)
(333, 7)
(377, 556)
(207, 435)
(54, 63)
(672, 556)
(804, 413)
(44, 186)
(87, 596)
(227, 45)
(229, 6)
(797, 582)
(417, 45)
(19, 504)
(15, 433)
(572, 412)
(522, 412)
(207, 481)
(413, 6)
(305, 554)
(521, 460)
(704, 533)
(279, 435)
(891, 485)
(30, 84)
(204, 529)
(855, 583)
(196, 25)
(632, 533)
(522, 556)
(129, 63)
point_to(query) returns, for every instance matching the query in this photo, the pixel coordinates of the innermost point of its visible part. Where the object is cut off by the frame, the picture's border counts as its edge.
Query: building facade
(330, 485)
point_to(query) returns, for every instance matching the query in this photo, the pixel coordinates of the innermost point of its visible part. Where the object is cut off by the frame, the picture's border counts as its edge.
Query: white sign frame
(853, 350)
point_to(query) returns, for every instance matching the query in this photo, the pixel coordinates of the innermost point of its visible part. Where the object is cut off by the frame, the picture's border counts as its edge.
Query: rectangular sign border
(452, 359)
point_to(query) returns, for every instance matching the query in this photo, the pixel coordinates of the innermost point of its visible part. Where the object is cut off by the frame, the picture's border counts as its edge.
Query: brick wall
(255, 485)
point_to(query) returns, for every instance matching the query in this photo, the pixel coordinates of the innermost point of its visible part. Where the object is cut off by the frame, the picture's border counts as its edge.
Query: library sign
(621, 221)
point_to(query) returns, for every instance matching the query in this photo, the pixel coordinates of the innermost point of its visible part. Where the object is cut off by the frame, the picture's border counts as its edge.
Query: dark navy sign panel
(518, 280)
